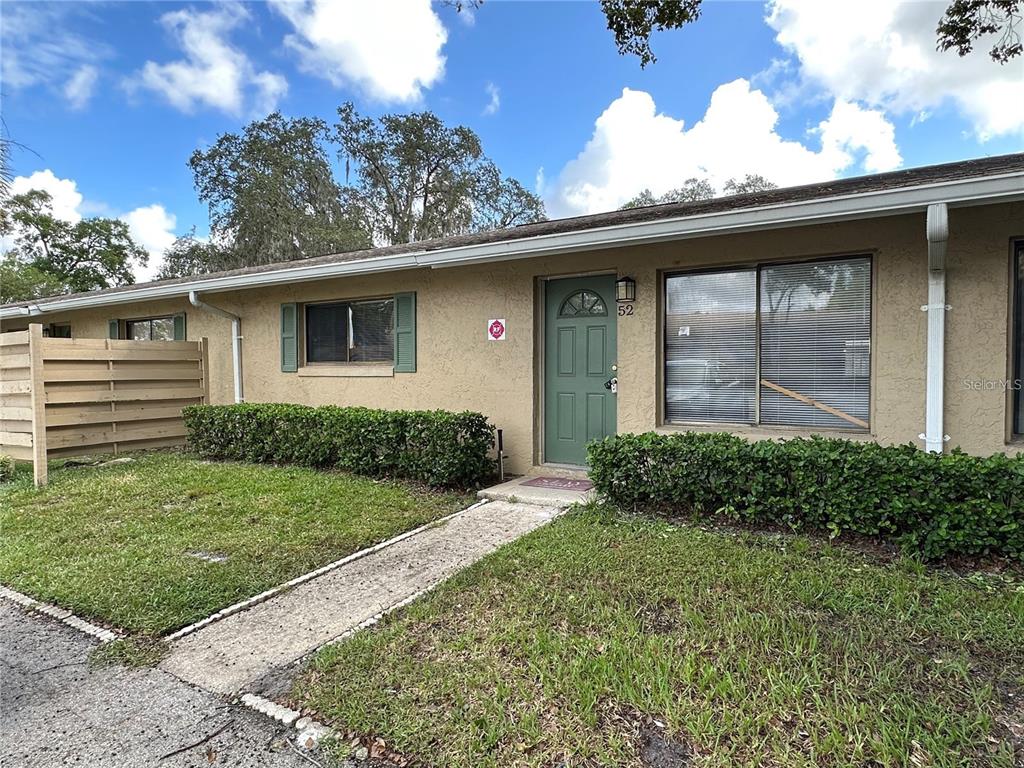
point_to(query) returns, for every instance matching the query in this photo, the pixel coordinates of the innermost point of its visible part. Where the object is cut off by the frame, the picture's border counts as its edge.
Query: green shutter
(113, 329)
(289, 338)
(405, 332)
(179, 327)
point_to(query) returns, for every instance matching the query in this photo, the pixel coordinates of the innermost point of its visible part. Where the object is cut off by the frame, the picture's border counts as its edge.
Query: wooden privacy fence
(69, 397)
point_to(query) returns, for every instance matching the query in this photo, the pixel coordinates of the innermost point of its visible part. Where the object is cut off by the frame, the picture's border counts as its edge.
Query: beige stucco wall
(458, 368)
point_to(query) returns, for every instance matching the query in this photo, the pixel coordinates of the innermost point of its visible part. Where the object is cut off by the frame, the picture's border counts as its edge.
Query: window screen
(1018, 363)
(150, 329)
(815, 344)
(781, 344)
(710, 346)
(356, 332)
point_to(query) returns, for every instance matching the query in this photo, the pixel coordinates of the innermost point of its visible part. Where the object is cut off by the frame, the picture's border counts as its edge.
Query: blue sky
(113, 97)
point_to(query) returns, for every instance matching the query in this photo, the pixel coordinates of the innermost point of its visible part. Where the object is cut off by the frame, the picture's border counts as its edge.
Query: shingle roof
(911, 177)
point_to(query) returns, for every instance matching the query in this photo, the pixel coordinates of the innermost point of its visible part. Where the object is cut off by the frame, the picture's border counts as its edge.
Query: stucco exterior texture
(458, 368)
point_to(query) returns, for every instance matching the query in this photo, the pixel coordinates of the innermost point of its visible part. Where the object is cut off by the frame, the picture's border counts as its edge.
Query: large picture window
(786, 344)
(1018, 341)
(351, 332)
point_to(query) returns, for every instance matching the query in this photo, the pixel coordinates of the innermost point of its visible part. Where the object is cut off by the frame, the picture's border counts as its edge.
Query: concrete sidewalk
(230, 655)
(55, 710)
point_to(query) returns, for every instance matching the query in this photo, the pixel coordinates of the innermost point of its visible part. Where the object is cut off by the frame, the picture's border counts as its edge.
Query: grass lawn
(119, 543)
(601, 640)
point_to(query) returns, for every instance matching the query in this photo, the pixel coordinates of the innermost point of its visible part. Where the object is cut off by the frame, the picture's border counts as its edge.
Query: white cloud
(67, 200)
(213, 73)
(633, 147)
(883, 53)
(152, 227)
(80, 86)
(40, 46)
(390, 56)
(495, 99)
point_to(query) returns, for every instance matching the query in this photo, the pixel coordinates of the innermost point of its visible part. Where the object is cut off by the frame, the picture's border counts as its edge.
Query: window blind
(815, 344)
(357, 331)
(711, 346)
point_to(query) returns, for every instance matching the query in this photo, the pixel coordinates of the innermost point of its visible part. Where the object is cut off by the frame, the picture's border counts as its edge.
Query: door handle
(612, 384)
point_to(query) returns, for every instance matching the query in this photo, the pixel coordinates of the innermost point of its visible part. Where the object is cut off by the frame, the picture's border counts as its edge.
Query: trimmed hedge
(6, 468)
(438, 448)
(937, 504)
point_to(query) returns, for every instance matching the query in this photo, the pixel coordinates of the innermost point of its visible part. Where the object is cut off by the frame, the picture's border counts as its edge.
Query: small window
(351, 332)
(1018, 341)
(58, 331)
(786, 344)
(150, 329)
(583, 304)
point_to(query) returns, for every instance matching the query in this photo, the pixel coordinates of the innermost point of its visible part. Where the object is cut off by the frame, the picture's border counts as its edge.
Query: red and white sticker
(496, 330)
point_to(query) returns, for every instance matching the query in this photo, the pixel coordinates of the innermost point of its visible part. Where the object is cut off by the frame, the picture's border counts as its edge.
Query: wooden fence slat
(12, 338)
(174, 428)
(54, 375)
(73, 418)
(16, 387)
(24, 439)
(65, 397)
(14, 413)
(130, 355)
(13, 361)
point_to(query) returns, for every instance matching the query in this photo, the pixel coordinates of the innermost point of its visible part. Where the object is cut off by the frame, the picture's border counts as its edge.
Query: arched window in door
(583, 304)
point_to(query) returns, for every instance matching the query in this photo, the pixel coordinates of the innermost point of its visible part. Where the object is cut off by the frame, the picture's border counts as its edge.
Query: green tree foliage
(752, 182)
(52, 256)
(695, 190)
(965, 21)
(417, 178)
(692, 190)
(272, 194)
(189, 255)
(633, 21)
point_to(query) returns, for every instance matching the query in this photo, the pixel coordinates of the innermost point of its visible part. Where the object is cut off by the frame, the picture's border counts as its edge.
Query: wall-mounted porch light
(625, 289)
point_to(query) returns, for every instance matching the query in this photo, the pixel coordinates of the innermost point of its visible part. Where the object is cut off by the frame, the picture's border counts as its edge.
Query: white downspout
(938, 235)
(236, 339)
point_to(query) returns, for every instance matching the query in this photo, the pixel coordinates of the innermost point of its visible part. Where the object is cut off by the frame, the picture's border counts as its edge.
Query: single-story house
(887, 307)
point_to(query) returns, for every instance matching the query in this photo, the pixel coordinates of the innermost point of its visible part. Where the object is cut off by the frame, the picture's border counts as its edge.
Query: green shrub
(937, 504)
(6, 468)
(441, 449)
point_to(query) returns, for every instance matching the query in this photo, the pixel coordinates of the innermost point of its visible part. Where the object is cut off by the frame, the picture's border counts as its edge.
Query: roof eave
(961, 192)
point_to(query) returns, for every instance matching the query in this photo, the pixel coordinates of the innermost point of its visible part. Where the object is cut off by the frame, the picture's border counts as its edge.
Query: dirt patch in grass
(603, 640)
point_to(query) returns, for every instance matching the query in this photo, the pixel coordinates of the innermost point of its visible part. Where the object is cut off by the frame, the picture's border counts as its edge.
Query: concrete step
(516, 491)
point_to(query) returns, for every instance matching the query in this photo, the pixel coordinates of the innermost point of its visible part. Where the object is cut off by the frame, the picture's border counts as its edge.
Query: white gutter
(989, 189)
(938, 236)
(236, 340)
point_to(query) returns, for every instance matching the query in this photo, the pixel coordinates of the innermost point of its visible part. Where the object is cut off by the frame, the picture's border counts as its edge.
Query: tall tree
(51, 255)
(272, 194)
(188, 255)
(417, 178)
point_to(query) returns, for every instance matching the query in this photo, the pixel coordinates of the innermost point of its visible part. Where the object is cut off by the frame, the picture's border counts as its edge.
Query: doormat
(561, 483)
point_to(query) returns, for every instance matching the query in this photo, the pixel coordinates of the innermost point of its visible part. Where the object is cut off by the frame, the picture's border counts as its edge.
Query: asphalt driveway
(55, 710)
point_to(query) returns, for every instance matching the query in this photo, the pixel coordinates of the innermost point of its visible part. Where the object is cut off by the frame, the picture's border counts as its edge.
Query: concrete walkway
(230, 655)
(55, 710)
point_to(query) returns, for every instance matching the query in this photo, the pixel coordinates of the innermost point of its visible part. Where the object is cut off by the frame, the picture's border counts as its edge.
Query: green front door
(579, 352)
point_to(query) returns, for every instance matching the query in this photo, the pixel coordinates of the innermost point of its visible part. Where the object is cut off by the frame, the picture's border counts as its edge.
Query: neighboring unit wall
(459, 369)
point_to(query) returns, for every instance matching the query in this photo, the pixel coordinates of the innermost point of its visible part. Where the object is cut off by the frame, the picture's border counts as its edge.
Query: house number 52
(625, 310)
